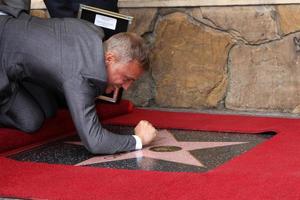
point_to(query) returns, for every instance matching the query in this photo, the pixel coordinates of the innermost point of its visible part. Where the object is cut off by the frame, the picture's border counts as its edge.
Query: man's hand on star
(145, 131)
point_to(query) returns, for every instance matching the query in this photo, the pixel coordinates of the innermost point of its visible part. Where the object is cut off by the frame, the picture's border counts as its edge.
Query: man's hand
(145, 131)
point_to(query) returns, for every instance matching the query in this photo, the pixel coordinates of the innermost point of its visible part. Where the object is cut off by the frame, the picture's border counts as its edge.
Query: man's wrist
(138, 142)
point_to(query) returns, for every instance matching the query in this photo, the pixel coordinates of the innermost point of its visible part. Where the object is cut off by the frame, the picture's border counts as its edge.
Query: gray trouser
(29, 107)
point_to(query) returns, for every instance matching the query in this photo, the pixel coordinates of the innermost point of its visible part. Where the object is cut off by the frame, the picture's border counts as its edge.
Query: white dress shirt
(2, 13)
(138, 144)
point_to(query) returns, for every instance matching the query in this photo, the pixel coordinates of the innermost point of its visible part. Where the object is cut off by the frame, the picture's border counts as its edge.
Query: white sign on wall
(106, 22)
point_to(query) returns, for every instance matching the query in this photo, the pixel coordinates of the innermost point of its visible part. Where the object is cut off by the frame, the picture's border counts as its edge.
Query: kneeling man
(43, 59)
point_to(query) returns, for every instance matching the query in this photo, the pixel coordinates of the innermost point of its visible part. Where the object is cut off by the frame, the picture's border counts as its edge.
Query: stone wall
(238, 58)
(229, 58)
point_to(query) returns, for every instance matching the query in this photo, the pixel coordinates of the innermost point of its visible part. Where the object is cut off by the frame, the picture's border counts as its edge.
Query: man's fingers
(154, 133)
(145, 121)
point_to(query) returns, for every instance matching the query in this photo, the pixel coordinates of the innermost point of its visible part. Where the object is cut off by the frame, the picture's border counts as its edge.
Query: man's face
(121, 74)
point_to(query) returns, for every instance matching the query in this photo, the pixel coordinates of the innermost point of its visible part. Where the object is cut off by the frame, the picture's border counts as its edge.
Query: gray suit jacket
(66, 56)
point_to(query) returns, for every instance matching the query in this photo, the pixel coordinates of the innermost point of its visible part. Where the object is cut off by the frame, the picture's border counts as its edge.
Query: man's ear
(110, 58)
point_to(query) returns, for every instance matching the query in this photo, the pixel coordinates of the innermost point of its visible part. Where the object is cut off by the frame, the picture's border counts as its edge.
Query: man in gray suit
(41, 59)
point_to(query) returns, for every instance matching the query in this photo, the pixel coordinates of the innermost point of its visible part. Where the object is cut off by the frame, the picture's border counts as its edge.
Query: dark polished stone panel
(55, 153)
(173, 150)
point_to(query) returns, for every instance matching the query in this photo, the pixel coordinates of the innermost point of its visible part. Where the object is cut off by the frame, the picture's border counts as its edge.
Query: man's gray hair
(128, 47)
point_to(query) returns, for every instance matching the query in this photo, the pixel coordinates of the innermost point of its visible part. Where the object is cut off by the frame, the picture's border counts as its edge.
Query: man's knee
(31, 125)
(28, 125)
(26, 122)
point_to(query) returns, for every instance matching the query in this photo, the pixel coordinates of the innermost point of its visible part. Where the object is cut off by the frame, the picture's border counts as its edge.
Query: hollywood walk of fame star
(164, 147)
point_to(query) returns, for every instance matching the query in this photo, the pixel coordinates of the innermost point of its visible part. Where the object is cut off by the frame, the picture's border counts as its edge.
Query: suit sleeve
(80, 97)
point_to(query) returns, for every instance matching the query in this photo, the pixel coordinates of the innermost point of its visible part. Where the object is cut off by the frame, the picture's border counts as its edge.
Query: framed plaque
(111, 23)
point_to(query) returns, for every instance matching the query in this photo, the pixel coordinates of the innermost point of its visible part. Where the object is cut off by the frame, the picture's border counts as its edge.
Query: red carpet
(269, 171)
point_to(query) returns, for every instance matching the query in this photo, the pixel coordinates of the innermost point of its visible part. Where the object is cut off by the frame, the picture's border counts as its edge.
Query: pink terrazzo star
(163, 140)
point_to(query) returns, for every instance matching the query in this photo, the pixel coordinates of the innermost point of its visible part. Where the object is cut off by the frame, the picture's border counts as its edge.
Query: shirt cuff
(138, 142)
(2, 13)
